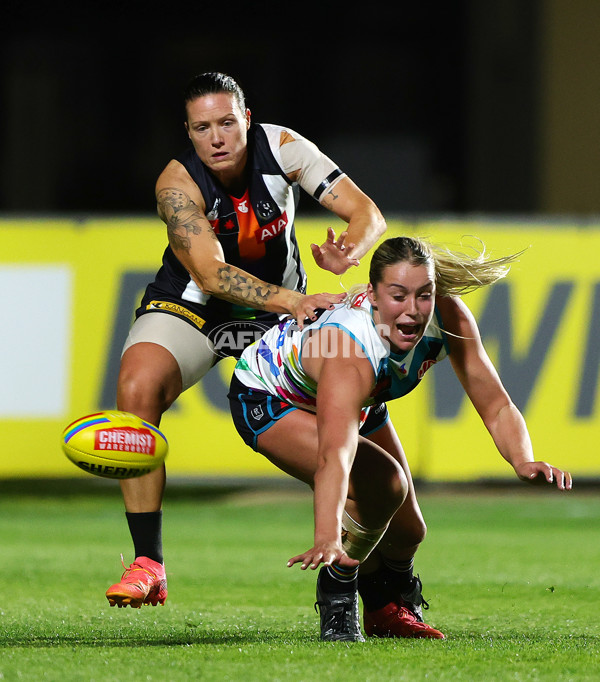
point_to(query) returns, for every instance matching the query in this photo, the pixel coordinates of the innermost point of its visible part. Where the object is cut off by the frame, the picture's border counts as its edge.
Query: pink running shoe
(394, 620)
(144, 582)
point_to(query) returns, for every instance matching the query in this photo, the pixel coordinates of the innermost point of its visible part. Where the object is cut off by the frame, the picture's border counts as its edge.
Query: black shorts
(253, 412)
(377, 416)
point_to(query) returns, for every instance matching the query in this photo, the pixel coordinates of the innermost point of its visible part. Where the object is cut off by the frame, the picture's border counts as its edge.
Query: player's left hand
(544, 473)
(334, 255)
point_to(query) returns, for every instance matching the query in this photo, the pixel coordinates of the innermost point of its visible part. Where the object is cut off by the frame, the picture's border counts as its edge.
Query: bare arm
(181, 206)
(306, 164)
(482, 384)
(365, 226)
(343, 385)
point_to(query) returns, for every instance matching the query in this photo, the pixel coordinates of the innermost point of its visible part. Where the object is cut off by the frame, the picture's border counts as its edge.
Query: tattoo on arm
(239, 288)
(328, 199)
(182, 218)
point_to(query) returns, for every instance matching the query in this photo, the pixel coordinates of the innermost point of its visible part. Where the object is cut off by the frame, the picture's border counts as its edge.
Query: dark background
(430, 107)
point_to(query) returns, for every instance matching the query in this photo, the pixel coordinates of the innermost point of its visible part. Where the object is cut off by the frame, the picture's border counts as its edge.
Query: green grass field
(512, 578)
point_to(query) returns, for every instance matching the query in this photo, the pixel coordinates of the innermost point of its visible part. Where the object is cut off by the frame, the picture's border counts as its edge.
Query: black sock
(383, 586)
(146, 533)
(337, 579)
(374, 589)
(400, 573)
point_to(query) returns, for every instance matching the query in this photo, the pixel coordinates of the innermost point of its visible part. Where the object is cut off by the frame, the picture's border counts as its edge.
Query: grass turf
(511, 578)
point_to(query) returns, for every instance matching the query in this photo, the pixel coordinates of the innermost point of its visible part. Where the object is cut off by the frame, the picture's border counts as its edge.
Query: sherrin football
(114, 444)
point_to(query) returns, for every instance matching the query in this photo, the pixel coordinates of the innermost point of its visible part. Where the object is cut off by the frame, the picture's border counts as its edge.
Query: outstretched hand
(540, 473)
(334, 255)
(326, 554)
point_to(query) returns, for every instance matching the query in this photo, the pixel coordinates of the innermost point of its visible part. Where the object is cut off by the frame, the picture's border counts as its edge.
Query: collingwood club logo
(265, 210)
(230, 338)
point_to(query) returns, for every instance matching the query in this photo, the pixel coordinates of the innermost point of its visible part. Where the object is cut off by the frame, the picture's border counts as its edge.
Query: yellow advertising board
(69, 290)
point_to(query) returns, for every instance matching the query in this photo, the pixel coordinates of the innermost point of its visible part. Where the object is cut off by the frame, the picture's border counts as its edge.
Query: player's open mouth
(408, 330)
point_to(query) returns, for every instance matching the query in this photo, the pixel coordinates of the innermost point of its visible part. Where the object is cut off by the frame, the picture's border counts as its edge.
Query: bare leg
(377, 484)
(149, 382)
(407, 528)
(392, 594)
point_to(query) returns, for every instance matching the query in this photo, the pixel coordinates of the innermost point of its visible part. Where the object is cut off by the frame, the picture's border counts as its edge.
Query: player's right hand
(542, 473)
(325, 553)
(305, 309)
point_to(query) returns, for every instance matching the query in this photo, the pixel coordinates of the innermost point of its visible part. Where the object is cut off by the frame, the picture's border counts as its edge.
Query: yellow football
(114, 444)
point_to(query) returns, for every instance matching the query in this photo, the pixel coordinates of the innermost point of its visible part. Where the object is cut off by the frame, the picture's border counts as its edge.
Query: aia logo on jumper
(424, 367)
(272, 229)
(358, 300)
(125, 439)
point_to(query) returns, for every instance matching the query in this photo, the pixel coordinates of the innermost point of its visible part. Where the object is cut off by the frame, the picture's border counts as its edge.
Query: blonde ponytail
(456, 273)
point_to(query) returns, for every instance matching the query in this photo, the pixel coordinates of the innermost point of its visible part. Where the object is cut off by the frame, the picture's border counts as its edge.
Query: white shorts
(192, 350)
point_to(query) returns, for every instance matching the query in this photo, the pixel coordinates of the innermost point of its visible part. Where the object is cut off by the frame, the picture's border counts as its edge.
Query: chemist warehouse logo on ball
(126, 439)
(230, 339)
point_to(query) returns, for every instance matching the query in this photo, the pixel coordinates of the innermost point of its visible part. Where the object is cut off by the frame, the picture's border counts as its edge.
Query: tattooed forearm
(182, 217)
(239, 288)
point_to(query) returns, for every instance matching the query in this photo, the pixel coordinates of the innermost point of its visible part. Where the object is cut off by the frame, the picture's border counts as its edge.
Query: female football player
(228, 203)
(301, 397)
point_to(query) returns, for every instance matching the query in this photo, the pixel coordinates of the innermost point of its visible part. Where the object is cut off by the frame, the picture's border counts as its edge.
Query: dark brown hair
(213, 83)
